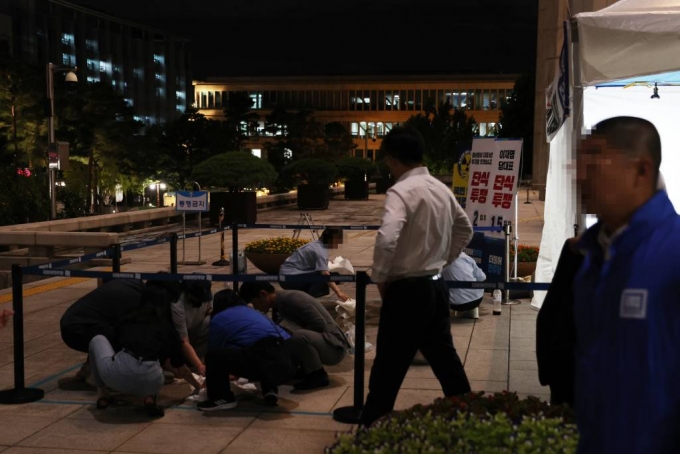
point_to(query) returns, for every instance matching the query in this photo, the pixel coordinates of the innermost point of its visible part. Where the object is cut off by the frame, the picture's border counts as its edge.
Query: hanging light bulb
(656, 92)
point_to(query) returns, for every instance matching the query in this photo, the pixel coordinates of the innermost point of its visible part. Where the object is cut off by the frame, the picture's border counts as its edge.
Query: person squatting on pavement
(144, 339)
(191, 317)
(305, 318)
(465, 301)
(234, 331)
(627, 295)
(423, 228)
(312, 260)
(98, 313)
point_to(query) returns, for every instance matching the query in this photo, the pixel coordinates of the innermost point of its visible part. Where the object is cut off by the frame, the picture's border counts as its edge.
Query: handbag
(272, 359)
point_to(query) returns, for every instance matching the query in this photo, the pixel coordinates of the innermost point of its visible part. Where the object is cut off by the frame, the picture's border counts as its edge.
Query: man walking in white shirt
(423, 228)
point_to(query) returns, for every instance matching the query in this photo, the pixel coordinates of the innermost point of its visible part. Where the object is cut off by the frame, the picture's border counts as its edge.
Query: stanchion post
(19, 394)
(116, 258)
(173, 253)
(507, 228)
(234, 250)
(223, 260)
(352, 415)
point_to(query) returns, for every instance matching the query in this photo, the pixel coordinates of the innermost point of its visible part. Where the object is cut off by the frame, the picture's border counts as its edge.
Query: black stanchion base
(221, 263)
(347, 415)
(21, 396)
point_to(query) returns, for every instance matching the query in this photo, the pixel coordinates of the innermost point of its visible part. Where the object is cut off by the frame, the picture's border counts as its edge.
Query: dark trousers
(414, 316)
(315, 289)
(467, 306)
(219, 364)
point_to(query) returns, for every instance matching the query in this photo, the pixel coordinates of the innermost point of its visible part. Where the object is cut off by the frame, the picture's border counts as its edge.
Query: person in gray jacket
(305, 318)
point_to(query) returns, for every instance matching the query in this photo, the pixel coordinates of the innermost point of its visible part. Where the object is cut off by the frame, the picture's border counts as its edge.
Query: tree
(442, 128)
(22, 119)
(240, 119)
(337, 140)
(235, 170)
(170, 152)
(99, 126)
(517, 118)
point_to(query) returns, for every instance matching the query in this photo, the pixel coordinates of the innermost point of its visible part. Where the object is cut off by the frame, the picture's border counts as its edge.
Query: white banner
(494, 174)
(191, 201)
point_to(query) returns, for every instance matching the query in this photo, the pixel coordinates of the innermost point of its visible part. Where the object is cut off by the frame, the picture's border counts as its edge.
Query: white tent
(634, 39)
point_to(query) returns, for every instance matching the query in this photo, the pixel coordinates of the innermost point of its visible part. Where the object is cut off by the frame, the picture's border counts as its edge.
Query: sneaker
(271, 398)
(215, 405)
(313, 380)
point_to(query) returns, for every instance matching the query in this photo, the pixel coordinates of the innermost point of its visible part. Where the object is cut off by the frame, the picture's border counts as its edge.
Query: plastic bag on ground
(340, 265)
(346, 308)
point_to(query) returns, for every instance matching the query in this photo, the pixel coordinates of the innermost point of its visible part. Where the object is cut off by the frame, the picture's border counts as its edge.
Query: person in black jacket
(145, 340)
(556, 330)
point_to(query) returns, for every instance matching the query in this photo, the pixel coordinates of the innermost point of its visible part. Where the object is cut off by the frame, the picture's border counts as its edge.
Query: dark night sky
(309, 37)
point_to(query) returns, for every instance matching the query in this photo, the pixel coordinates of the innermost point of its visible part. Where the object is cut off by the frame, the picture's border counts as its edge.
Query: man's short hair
(250, 290)
(404, 144)
(225, 299)
(633, 136)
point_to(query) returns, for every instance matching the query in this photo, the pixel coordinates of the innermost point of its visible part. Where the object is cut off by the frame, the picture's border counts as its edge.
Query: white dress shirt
(423, 228)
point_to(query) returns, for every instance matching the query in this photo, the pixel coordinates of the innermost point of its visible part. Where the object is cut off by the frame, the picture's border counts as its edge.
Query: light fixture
(656, 92)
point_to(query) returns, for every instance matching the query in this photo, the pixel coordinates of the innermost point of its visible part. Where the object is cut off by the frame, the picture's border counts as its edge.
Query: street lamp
(52, 153)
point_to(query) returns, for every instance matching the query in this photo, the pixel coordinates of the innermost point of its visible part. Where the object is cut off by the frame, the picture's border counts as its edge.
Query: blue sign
(191, 201)
(488, 253)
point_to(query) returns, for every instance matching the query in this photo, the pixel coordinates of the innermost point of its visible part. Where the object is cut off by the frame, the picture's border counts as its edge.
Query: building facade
(151, 69)
(551, 17)
(367, 106)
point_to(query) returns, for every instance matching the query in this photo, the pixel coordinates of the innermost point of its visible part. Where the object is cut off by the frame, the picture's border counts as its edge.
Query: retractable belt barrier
(21, 394)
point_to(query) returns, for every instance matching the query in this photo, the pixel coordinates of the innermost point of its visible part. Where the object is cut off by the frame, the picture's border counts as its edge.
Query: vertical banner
(461, 174)
(494, 174)
(557, 94)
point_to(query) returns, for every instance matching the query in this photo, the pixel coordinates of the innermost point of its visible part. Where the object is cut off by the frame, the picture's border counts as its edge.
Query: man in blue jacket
(627, 296)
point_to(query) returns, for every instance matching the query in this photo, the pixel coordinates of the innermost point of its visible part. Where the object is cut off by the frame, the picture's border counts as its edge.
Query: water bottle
(497, 299)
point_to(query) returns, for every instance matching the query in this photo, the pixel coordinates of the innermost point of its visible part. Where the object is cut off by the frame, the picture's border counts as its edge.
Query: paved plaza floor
(498, 353)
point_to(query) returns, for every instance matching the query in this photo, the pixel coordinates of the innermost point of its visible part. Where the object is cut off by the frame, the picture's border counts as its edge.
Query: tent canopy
(630, 38)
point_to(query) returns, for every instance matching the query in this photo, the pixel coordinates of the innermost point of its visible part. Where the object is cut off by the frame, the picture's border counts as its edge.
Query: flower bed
(498, 423)
(279, 245)
(524, 253)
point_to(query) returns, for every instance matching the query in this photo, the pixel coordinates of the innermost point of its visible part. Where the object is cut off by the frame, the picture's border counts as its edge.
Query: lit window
(159, 59)
(257, 100)
(67, 38)
(355, 129)
(257, 152)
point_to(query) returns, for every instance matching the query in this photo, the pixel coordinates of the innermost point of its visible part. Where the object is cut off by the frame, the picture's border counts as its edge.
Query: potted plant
(526, 259)
(269, 254)
(385, 179)
(357, 173)
(241, 173)
(313, 177)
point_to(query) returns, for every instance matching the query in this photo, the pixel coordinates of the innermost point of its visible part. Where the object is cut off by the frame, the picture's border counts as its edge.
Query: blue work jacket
(627, 316)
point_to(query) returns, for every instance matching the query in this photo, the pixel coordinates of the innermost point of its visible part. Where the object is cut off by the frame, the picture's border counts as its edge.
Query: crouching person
(145, 339)
(245, 343)
(465, 301)
(307, 320)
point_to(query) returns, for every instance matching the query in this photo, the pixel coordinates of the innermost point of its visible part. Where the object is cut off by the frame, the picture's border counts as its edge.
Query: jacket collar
(654, 212)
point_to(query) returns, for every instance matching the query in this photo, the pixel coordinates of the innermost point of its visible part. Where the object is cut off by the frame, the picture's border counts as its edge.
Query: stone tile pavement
(498, 353)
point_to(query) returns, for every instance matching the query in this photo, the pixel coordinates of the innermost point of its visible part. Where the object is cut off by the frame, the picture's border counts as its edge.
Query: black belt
(416, 279)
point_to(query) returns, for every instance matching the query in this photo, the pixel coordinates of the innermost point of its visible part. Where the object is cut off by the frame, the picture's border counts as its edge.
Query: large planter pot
(356, 190)
(525, 268)
(238, 207)
(382, 184)
(312, 197)
(268, 263)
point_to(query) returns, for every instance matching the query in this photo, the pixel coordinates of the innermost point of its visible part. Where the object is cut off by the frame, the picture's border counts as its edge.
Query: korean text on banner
(494, 171)
(191, 201)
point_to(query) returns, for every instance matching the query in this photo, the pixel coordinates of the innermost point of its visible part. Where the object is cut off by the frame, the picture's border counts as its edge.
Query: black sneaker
(313, 380)
(215, 405)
